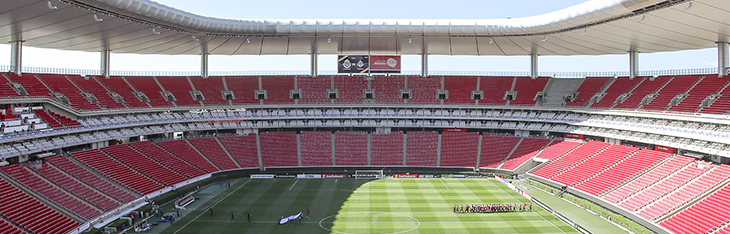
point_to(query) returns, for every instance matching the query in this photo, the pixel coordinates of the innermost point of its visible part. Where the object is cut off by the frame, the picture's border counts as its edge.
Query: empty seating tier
(279, 149)
(387, 89)
(314, 89)
(277, 89)
(423, 89)
(48, 119)
(648, 86)
(211, 88)
(117, 171)
(145, 165)
(210, 148)
(165, 158)
(494, 89)
(90, 178)
(702, 217)
(620, 86)
(528, 148)
(350, 88)
(663, 187)
(459, 148)
(556, 166)
(243, 149)
(244, 89)
(646, 180)
(708, 85)
(76, 188)
(31, 84)
(527, 88)
(183, 150)
(180, 88)
(351, 149)
(600, 161)
(149, 87)
(422, 148)
(387, 149)
(589, 87)
(622, 172)
(50, 192)
(31, 214)
(89, 84)
(316, 148)
(495, 149)
(678, 85)
(460, 88)
(118, 85)
(59, 83)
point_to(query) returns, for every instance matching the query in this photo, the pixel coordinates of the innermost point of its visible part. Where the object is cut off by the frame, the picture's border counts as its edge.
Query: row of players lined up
(491, 208)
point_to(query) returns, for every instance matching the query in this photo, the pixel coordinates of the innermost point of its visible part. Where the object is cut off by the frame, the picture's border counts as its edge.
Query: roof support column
(204, 65)
(105, 57)
(533, 66)
(313, 64)
(723, 61)
(16, 57)
(424, 64)
(633, 64)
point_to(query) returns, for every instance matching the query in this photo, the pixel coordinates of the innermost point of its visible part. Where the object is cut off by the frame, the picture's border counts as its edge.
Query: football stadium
(345, 121)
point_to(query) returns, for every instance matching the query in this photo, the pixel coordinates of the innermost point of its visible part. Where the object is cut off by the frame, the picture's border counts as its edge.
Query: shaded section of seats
(279, 149)
(183, 150)
(156, 153)
(422, 149)
(243, 149)
(678, 85)
(76, 188)
(89, 84)
(424, 89)
(460, 88)
(351, 88)
(50, 192)
(387, 89)
(211, 89)
(149, 87)
(314, 89)
(527, 88)
(316, 148)
(494, 89)
(495, 149)
(142, 164)
(648, 86)
(709, 85)
(620, 86)
(59, 83)
(528, 148)
(459, 148)
(31, 214)
(589, 87)
(31, 84)
(116, 171)
(244, 88)
(179, 87)
(387, 149)
(47, 118)
(351, 148)
(278, 88)
(210, 148)
(116, 84)
(624, 171)
(90, 178)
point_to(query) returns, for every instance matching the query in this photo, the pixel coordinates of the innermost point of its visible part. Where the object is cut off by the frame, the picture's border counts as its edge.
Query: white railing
(71, 71)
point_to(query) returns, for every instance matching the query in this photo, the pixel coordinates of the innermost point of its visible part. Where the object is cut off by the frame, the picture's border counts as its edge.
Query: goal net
(368, 174)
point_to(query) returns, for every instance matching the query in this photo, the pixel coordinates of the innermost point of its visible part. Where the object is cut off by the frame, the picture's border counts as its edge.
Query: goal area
(368, 174)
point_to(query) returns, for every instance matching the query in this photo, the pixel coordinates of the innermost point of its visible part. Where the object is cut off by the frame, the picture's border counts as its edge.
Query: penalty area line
(295, 183)
(213, 205)
(447, 187)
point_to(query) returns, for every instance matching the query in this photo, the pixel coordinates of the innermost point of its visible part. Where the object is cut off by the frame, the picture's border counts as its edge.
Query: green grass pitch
(363, 206)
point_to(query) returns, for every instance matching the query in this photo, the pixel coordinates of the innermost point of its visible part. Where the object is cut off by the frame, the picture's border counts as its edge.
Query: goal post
(368, 174)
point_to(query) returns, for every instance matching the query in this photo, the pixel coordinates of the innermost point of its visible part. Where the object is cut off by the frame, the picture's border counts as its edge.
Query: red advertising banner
(454, 129)
(405, 175)
(574, 136)
(334, 176)
(665, 149)
(385, 63)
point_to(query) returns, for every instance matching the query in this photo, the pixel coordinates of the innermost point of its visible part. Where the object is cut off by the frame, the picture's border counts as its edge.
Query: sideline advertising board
(407, 175)
(262, 176)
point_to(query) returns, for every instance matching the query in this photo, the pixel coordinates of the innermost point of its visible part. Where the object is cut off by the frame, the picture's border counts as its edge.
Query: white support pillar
(105, 57)
(204, 65)
(314, 62)
(16, 57)
(533, 66)
(424, 64)
(633, 64)
(723, 61)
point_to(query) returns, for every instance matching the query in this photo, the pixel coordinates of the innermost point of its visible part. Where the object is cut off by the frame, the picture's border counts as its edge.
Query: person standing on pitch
(248, 216)
(300, 220)
(232, 216)
(307, 212)
(211, 211)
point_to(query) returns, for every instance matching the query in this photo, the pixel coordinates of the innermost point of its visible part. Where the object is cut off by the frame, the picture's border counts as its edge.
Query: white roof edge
(574, 16)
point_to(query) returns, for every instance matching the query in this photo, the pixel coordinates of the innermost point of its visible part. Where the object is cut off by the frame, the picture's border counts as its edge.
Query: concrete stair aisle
(579, 162)
(133, 88)
(553, 160)
(201, 154)
(81, 90)
(675, 190)
(82, 182)
(158, 162)
(192, 86)
(719, 92)
(519, 168)
(125, 188)
(694, 201)
(181, 159)
(657, 91)
(109, 90)
(510, 152)
(602, 90)
(628, 180)
(686, 92)
(40, 198)
(130, 167)
(631, 91)
(228, 153)
(609, 167)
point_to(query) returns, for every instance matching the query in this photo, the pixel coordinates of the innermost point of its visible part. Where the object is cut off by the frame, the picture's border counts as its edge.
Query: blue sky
(372, 9)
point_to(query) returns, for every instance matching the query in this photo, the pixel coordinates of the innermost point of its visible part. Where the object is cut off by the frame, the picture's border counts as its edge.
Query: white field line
(295, 183)
(551, 223)
(447, 187)
(214, 204)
